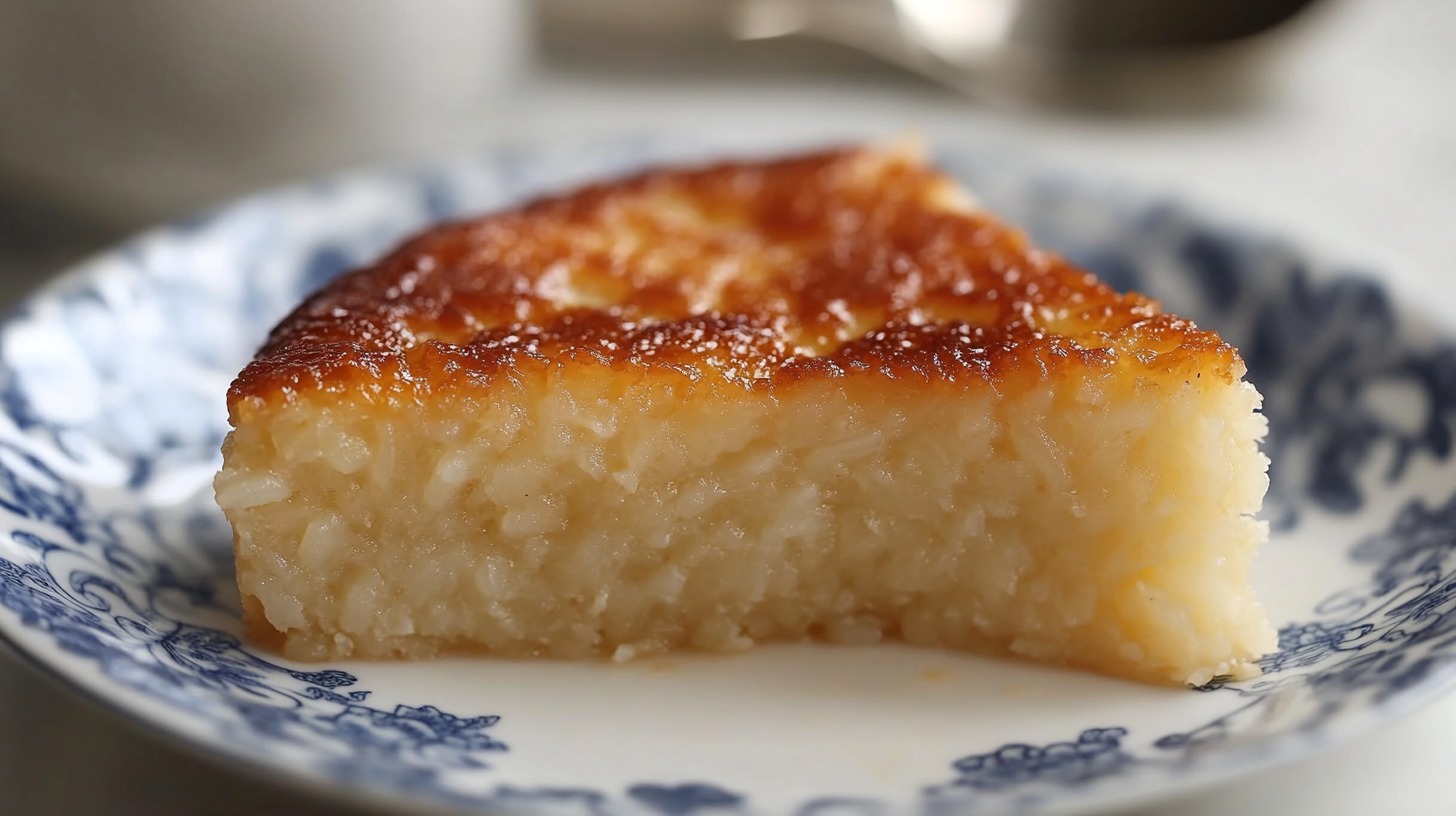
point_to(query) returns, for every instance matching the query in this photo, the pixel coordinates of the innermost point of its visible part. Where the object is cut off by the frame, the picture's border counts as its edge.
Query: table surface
(1353, 150)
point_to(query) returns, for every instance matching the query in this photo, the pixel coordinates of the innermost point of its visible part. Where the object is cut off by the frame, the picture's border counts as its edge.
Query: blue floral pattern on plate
(115, 566)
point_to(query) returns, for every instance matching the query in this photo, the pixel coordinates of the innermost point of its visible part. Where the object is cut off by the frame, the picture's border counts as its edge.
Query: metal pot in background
(1113, 55)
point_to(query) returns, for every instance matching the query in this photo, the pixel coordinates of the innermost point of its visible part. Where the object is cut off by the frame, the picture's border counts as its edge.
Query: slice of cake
(823, 397)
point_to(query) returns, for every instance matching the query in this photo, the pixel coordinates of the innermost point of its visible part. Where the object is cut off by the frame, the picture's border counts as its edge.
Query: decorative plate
(115, 569)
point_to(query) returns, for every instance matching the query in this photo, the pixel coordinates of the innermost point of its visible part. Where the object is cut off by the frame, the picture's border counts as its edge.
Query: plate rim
(123, 705)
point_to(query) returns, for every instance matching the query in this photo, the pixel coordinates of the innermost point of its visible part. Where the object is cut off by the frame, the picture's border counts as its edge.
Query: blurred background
(1328, 121)
(120, 114)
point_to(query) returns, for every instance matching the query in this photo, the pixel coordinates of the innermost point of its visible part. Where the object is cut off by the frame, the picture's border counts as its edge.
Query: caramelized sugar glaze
(844, 263)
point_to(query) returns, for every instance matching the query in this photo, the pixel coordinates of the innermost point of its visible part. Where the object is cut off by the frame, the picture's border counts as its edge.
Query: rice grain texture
(822, 397)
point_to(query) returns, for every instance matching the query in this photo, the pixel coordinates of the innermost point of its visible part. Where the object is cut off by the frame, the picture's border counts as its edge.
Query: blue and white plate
(115, 569)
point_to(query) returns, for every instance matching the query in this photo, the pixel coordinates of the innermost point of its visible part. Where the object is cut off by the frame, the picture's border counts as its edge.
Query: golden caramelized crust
(843, 263)
(821, 398)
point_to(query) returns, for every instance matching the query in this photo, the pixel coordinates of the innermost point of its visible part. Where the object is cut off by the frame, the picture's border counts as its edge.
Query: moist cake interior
(822, 397)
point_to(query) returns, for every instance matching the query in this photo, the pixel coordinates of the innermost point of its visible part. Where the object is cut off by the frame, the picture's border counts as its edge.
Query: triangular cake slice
(823, 397)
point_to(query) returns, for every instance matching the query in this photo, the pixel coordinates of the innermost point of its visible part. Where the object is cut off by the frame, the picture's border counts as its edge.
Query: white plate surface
(115, 568)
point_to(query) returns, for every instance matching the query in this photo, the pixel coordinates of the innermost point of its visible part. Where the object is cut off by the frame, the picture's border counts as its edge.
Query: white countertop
(1353, 151)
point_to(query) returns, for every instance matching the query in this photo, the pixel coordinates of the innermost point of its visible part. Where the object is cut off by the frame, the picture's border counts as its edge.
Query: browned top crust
(855, 261)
